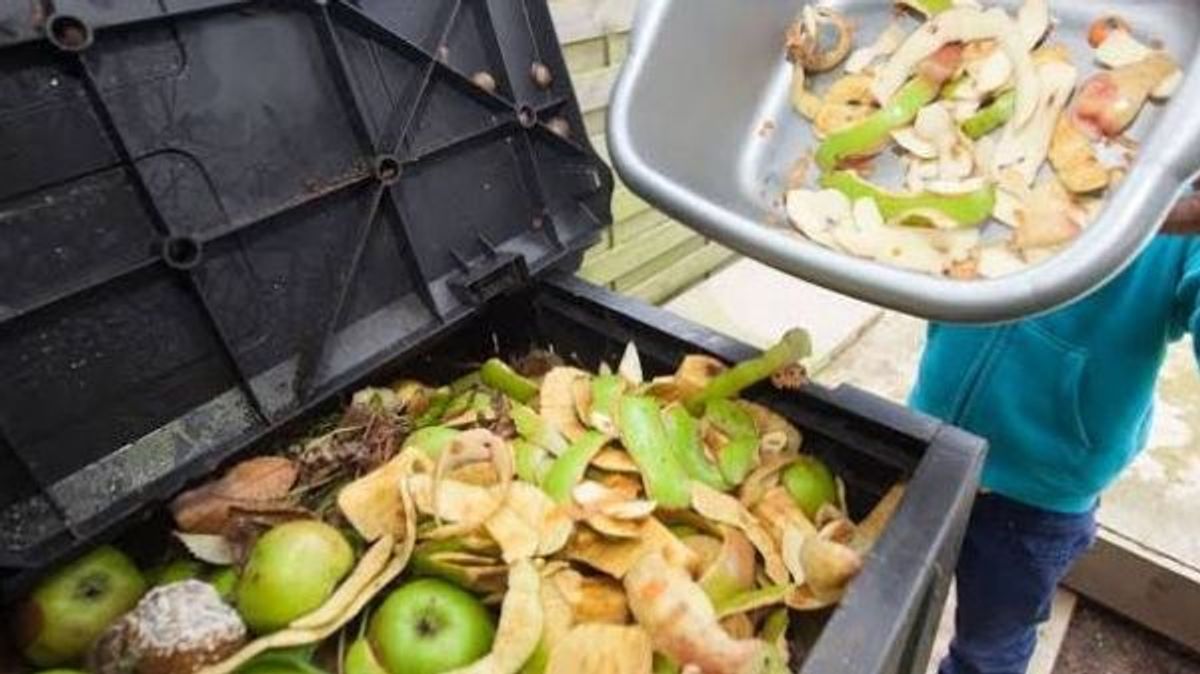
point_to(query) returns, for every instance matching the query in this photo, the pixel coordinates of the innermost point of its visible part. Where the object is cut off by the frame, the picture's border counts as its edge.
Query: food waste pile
(1004, 148)
(529, 517)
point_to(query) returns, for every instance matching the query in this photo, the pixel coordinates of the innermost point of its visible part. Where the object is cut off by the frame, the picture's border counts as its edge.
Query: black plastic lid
(215, 214)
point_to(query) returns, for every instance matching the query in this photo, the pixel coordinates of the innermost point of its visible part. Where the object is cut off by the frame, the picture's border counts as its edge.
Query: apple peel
(727, 510)
(682, 622)
(520, 627)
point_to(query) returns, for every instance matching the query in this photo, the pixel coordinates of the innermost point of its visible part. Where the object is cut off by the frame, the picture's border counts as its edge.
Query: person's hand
(1185, 217)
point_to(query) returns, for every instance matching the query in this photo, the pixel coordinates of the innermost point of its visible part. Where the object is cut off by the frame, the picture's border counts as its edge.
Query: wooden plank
(587, 55)
(618, 47)
(594, 88)
(599, 142)
(626, 204)
(596, 121)
(629, 228)
(1157, 591)
(626, 257)
(683, 274)
(576, 20)
(660, 263)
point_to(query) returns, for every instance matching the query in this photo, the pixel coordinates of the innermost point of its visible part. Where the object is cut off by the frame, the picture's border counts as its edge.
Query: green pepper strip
(535, 429)
(929, 7)
(645, 438)
(753, 599)
(872, 135)
(683, 432)
(739, 456)
(431, 440)
(530, 461)
(568, 469)
(607, 390)
(794, 345)
(991, 117)
(439, 402)
(968, 209)
(775, 626)
(498, 375)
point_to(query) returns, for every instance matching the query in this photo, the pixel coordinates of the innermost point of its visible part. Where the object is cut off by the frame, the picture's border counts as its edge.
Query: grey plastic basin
(686, 132)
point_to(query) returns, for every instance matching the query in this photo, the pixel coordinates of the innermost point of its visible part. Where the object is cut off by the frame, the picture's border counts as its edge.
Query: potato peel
(602, 649)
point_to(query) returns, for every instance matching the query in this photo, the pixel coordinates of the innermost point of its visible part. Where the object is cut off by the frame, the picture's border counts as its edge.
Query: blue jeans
(1013, 558)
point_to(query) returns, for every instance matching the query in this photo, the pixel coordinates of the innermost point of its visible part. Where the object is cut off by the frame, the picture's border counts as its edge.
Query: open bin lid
(700, 126)
(215, 214)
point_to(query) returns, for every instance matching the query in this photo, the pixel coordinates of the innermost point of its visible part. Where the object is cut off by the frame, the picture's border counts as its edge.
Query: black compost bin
(217, 216)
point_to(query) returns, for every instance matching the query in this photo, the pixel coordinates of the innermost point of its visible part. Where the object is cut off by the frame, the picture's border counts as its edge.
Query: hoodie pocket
(1032, 391)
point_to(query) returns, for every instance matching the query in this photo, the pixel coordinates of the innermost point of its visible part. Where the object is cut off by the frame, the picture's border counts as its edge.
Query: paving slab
(756, 304)
(1156, 501)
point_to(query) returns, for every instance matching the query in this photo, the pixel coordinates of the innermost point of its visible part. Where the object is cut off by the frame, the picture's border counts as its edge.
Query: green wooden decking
(644, 254)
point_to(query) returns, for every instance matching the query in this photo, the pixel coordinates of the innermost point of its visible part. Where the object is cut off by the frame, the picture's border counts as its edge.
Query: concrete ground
(1154, 503)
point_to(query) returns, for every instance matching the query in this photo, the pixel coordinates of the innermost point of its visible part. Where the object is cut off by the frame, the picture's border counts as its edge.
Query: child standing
(1065, 401)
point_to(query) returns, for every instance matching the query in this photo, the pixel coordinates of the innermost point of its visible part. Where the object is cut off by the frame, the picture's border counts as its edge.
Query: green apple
(810, 484)
(224, 580)
(360, 659)
(429, 626)
(280, 662)
(68, 610)
(180, 569)
(292, 570)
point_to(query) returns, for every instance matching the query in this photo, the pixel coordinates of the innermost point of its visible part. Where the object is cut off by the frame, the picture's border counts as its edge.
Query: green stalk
(872, 135)
(568, 469)
(968, 210)
(498, 375)
(683, 434)
(645, 438)
(992, 116)
(794, 345)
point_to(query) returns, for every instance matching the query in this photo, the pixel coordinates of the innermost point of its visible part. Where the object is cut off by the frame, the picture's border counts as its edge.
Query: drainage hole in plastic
(68, 33)
(387, 169)
(181, 252)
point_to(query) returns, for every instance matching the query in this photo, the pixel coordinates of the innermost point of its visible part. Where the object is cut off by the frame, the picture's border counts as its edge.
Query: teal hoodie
(1065, 399)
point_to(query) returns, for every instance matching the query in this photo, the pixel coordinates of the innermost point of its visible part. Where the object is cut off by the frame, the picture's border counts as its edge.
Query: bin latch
(496, 276)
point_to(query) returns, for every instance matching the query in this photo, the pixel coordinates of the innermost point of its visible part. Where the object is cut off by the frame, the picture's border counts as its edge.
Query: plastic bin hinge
(497, 275)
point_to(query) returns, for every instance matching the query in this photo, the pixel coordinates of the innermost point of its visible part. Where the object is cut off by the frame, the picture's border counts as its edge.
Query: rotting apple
(360, 659)
(430, 626)
(68, 610)
(292, 570)
(810, 484)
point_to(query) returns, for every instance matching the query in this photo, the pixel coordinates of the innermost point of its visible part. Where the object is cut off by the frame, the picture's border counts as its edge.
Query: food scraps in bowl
(1007, 147)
